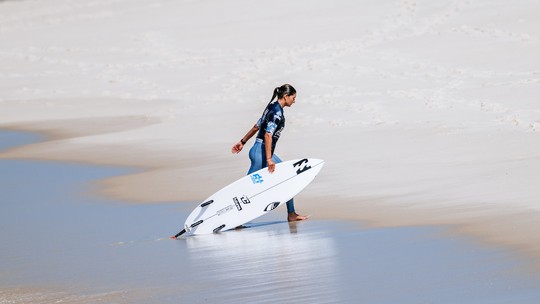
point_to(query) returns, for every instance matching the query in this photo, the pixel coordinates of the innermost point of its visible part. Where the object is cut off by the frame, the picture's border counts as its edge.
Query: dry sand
(425, 112)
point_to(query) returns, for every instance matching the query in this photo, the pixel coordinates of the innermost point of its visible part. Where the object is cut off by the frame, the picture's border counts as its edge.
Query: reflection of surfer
(268, 129)
(293, 227)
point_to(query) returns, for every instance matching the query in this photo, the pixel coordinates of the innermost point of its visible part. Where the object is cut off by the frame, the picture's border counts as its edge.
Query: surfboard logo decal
(257, 179)
(245, 200)
(271, 206)
(237, 203)
(224, 210)
(302, 166)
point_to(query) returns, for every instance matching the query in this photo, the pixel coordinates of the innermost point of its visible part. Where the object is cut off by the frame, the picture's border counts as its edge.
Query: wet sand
(62, 243)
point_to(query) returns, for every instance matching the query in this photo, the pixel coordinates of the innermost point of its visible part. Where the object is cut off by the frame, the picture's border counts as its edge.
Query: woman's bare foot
(293, 217)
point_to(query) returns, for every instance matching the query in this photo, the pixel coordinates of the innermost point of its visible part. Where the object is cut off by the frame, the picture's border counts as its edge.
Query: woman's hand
(271, 165)
(237, 147)
(240, 145)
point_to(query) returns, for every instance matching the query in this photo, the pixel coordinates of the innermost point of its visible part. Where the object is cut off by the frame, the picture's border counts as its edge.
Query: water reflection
(254, 263)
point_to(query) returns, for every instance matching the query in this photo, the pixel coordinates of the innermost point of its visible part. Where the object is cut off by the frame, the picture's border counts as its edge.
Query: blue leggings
(257, 155)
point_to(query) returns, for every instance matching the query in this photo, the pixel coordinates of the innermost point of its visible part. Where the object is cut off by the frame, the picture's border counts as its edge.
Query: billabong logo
(271, 206)
(257, 179)
(299, 165)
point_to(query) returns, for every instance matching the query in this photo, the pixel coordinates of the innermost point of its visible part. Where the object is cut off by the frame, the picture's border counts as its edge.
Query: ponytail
(275, 94)
(284, 90)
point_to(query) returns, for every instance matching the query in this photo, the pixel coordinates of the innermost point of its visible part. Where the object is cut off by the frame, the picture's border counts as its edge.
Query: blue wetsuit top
(272, 121)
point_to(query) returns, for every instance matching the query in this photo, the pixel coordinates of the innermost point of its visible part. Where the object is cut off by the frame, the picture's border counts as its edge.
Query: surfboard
(251, 196)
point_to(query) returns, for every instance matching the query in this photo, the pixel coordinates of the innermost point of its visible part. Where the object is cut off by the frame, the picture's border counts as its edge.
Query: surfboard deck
(251, 196)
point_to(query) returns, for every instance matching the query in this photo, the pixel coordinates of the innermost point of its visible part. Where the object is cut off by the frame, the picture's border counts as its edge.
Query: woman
(268, 129)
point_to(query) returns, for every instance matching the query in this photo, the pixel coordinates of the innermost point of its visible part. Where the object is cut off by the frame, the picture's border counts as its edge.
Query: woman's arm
(268, 149)
(238, 146)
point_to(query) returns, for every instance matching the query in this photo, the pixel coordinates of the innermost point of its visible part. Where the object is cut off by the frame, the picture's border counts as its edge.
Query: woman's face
(289, 99)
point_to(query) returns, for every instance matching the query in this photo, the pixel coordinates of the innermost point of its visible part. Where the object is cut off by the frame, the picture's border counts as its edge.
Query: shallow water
(61, 243)
(10, 139)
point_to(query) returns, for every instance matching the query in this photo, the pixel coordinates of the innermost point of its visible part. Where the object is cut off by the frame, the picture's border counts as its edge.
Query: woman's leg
(290, 203)
(255, 155)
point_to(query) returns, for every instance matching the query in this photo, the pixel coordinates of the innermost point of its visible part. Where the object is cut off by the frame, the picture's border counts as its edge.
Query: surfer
(268, 129)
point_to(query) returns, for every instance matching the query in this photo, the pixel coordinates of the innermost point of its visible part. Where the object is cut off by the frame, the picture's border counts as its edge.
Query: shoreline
(512, 229)
(94, 249)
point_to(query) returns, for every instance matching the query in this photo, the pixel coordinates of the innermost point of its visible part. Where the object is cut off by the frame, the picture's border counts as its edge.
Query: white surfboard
(251, 196)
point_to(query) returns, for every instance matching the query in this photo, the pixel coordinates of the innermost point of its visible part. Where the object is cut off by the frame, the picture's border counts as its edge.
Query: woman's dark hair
(284, 90)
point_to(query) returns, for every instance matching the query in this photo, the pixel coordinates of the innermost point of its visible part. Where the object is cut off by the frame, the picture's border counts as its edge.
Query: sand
(425, 112)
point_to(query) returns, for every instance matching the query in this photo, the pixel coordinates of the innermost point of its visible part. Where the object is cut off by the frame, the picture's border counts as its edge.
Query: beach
(425, 112)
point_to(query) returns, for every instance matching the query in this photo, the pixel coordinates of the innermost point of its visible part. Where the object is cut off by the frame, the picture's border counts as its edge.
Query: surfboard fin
(206, 203)
(187, 228)
(218, 229)
(178, 234)
(197, 223)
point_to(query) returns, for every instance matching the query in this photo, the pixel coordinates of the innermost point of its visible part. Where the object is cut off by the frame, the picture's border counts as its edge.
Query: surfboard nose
(316, 164)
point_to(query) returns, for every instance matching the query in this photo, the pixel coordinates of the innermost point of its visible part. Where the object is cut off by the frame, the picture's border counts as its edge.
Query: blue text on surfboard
(257, 179)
